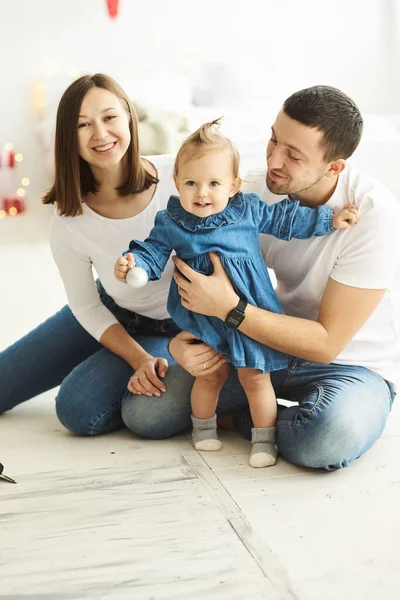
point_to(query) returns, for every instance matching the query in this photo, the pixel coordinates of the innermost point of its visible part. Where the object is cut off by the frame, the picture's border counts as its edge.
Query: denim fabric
(93, 380)
(340, 412)
(233, 233)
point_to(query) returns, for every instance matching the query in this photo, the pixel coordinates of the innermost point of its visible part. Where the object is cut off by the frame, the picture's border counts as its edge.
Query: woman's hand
(212, 296)
(145, 380)
(198, 359)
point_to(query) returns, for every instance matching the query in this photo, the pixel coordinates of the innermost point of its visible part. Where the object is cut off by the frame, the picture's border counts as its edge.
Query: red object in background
(7, 158)
(16, 203)
(112, 8)
(11, 159)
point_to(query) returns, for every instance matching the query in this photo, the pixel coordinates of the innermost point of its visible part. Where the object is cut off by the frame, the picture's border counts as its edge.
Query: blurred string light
(11, 203)
(39, 98)
(43, 92)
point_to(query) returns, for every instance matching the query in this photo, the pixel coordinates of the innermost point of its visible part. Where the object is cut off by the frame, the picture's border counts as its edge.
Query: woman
(103, 191)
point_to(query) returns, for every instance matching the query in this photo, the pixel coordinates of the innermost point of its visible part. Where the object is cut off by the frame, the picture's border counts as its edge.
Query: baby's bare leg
(262, 401)
(204, 400)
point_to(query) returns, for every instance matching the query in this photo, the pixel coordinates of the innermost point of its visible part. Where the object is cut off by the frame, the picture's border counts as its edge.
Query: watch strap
(235, 317)
(241, 306)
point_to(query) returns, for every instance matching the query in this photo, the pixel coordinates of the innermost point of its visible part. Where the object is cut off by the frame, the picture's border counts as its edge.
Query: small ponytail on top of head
(207, 138)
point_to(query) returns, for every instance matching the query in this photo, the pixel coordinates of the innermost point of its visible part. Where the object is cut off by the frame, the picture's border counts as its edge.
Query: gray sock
(204, 434)
(264, 452)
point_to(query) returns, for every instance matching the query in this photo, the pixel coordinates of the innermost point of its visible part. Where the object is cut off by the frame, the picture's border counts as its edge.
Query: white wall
(283, 44)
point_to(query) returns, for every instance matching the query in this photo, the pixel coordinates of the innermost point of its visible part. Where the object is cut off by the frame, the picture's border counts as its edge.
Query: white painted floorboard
(121, 517)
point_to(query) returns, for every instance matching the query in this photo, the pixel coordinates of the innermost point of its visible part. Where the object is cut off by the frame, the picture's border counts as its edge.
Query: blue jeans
(93, 380)
(340, 412)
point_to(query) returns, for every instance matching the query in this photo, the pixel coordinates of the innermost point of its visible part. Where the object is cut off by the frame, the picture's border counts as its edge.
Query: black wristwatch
(236, 316)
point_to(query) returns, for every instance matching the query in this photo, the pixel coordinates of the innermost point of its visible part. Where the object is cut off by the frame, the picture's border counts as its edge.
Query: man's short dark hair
(333, 113)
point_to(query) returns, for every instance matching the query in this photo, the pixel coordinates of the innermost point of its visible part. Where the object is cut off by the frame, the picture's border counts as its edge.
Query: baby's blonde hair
(206, 138)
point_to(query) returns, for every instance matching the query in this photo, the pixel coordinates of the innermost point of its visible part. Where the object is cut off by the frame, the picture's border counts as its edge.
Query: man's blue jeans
(341, 411)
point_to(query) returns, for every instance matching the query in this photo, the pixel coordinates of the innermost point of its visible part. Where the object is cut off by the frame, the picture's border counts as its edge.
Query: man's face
(294, 158)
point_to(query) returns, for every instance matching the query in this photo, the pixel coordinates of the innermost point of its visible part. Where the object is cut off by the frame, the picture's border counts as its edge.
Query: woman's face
(103, 129)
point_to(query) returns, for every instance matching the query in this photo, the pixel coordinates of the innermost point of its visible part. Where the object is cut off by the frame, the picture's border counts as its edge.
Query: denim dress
(233, 234)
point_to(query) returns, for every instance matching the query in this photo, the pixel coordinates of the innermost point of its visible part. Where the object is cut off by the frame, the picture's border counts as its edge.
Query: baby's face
(205, 184)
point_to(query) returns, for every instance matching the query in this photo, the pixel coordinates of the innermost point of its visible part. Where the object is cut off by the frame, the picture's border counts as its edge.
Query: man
(339, 320)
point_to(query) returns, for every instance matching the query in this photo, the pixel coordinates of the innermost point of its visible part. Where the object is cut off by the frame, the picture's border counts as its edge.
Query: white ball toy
(136, 277)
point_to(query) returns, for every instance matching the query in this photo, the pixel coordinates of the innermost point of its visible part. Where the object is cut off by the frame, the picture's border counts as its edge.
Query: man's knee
(159, 418)
(329, 446)
(149, 418)
(309, 458)
(338, 430)
(139, 414)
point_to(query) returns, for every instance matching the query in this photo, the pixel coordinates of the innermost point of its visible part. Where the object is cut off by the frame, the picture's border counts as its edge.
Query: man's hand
(122, 266)
(347, 217)
(196, 358)
(145, 380)
(212, 296)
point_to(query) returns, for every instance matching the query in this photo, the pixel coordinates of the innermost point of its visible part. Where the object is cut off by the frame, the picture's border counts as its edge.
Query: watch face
(234, 319)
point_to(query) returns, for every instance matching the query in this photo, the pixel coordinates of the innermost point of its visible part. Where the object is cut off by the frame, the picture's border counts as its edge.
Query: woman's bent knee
(86, 418)
(69, 417)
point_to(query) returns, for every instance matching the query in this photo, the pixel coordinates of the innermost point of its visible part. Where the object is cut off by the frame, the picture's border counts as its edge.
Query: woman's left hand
(212, 296)
(146, 378)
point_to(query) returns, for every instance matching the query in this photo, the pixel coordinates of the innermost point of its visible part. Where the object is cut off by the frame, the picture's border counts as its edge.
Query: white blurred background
(184, 62)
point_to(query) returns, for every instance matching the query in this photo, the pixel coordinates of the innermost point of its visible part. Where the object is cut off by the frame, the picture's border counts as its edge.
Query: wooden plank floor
(120, 517)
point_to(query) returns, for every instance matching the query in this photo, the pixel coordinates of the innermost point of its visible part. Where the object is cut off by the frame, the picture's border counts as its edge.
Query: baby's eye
(214, 183)
(191, 183)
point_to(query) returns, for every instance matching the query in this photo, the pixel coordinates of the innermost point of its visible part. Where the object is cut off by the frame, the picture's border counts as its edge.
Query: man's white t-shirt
(78, 243)
(364, 256)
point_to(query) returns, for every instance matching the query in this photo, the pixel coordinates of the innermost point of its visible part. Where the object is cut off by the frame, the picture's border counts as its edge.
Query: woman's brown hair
(73, 178)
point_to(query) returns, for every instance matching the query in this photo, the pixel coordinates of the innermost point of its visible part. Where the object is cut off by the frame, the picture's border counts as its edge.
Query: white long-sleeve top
(90, 240)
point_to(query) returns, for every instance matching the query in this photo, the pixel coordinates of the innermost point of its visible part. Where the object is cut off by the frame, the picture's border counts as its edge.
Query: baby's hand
(122, 266)
(347, 217)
